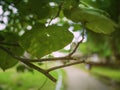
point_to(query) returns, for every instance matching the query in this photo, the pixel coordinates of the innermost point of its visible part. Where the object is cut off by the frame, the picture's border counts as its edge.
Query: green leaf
(42, 41)
(77, 27)
(94, 20)
(11, 41)
(6, 61)
(39, 8)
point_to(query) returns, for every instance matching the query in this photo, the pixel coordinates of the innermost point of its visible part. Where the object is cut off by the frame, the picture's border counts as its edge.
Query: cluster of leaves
(107, 46)
(29, 27)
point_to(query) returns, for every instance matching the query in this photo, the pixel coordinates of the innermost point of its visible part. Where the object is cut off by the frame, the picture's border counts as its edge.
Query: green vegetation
(110, 73)
(34, 29)
(23, 81)
(104, 45)
(103, 72)
(12, 80)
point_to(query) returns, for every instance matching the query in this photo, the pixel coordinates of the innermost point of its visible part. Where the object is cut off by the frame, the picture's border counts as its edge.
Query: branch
(36, 60)
(58, 13)
(43, 59)
(40, 70)
(62, 66)
(45, 72)
(51, 59)
(69, 55)
(33, 60)
(30, 64)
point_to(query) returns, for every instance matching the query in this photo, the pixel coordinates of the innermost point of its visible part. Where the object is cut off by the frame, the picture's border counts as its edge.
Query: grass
(113, 74)
(11, 80)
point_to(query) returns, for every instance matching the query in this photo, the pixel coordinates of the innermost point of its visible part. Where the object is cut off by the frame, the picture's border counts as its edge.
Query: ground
(80, 80)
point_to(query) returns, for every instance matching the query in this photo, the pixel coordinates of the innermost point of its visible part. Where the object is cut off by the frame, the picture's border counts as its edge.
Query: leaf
(42, 41)
(9, 39)
(94, 20)
(6, 61)
(23, 68)
(77, 27)
(39, 8)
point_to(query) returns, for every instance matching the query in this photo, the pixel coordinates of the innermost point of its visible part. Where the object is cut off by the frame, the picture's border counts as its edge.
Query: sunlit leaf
(42, 41)
(93, 20)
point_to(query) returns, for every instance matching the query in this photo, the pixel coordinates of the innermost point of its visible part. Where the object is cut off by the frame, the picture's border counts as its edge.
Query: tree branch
(33, 60)
(30, 64)
(45, 72)
(62, 66)
(58, 13)
(52, 59)
(69, 55)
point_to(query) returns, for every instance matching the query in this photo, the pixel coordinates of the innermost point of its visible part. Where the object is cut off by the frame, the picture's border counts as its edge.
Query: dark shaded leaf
(6, 61)
(10, 42)
(23, 68)
(39, 8)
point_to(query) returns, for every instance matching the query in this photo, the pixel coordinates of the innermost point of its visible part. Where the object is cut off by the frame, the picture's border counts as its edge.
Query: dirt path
(80, 80)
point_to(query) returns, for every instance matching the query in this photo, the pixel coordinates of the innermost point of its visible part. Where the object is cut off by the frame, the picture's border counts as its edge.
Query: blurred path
(80, 80)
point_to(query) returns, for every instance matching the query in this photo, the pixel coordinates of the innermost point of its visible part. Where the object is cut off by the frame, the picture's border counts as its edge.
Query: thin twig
(30, 64)
(46, 72)
(69, 55)
(58, 13)
(51, 59)
(62, 66)
(44, 59)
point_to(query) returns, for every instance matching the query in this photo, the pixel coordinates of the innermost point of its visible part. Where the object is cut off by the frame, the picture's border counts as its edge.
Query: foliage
(29, 27)
(7, 60)
(109, 45)
(107, 72)
(92, 18)
(96, 43)
(49, 37)
(18, 80)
